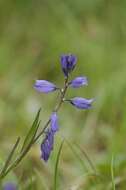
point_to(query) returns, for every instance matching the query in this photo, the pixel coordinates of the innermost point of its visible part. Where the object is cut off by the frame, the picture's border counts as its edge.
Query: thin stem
(43, 130)
(63, 92)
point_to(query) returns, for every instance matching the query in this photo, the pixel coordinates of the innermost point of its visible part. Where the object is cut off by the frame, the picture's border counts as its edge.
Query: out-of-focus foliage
(33, 34)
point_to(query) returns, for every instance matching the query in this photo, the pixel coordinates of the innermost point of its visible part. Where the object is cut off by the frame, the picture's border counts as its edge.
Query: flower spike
(68, 63)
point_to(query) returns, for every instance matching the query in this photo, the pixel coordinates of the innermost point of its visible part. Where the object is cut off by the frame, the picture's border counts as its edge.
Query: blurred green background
(33, 35)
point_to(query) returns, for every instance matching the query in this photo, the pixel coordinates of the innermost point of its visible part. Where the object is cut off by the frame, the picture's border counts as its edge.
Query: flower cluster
(68, 63)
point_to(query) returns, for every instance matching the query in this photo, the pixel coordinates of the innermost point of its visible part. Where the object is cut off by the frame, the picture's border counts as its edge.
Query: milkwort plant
(51, 127)
(68, 63)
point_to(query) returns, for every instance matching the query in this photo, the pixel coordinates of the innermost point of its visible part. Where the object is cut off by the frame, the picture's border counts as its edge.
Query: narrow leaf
(56, 165)
(32, 132)
(77, 155)
(28, 146)
(10, 156)
(87, 158)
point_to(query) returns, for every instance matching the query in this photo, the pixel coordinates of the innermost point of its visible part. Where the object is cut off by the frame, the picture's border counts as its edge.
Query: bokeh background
(33, 35)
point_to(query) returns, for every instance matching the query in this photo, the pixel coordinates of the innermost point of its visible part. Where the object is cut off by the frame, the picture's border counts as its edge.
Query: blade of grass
(26, 149)
(100, 178)
(56, 165)
(87, 157)
(76, 154)
(112, 173)
(32, 132)
(10, 157)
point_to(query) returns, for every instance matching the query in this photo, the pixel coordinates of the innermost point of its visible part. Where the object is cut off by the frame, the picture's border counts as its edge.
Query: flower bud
(68, 63)
(44, 86)
(81, 103)
(78, 82)
(47, 145)
(54, 122)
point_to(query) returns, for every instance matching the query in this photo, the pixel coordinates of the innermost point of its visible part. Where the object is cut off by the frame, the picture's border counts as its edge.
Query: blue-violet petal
(54, 122)
(78, 82)
(44, 86)
(81, 103)
(47, 145)
(68, 63)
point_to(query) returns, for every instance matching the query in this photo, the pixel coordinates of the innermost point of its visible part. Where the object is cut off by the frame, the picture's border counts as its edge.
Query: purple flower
(68, 63)
(78, 82)
(54, 122)
(81, 103)
(9, 186)
(47, 145)
(44, 86)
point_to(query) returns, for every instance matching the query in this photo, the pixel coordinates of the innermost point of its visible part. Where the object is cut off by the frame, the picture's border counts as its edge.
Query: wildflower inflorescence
(68, 63)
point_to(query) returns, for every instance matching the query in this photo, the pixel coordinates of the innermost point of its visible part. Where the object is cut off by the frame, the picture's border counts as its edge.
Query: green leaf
(10, 157)
(32, 132)
(56, 165)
